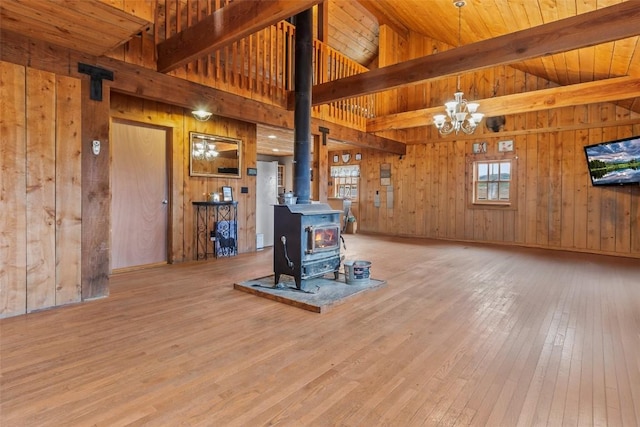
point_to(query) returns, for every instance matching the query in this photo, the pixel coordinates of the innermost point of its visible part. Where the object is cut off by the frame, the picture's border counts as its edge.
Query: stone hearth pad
(327, 291)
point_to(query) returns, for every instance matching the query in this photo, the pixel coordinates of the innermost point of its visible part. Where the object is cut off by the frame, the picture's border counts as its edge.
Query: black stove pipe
(302, 111)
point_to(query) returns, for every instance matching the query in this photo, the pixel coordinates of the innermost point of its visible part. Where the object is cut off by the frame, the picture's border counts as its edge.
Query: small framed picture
(358, 156)
(227, 194)
(336, 158)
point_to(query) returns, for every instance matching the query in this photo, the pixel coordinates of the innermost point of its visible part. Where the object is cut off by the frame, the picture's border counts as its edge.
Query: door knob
(165, 202)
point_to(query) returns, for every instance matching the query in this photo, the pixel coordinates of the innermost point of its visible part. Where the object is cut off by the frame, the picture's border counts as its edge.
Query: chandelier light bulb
(472, 107)
(477, 117)
(439, 120)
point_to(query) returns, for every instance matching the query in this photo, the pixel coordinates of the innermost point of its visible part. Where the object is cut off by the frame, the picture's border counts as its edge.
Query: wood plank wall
(41, 179)
(556, 207)
(186, 189)
(41, 265)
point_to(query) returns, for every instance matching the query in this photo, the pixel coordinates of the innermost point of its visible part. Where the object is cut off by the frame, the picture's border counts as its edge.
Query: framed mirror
(212, 155)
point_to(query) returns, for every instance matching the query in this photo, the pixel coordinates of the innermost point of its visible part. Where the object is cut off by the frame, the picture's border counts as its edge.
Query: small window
(492, 182)
(345, 181)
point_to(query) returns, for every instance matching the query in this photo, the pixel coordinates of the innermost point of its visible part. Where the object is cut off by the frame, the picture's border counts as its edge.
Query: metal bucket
(356, 272)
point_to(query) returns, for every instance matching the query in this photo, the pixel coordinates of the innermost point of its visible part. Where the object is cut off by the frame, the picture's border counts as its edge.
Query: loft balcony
(260, 66)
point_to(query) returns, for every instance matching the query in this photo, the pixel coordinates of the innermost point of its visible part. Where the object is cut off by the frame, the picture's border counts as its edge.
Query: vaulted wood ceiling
(482, 20)
(486, 19)
(353, 26)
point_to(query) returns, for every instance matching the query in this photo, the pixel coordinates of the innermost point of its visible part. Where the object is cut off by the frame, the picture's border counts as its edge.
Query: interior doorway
(266, 197)
(139, 195)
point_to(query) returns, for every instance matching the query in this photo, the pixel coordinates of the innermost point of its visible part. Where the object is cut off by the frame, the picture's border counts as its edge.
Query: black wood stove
(306, 241)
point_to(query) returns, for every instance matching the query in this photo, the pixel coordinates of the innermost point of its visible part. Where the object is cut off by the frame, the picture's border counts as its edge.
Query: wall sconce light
(201, 115)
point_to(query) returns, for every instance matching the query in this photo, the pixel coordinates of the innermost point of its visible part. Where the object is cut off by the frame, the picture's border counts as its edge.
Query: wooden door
(139, 196)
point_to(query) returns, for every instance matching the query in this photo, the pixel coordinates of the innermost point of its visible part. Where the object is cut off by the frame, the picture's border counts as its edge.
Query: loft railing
(261, 66)
(330, 65)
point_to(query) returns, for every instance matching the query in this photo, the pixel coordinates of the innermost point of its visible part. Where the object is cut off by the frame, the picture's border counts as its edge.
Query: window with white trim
(345, 181)
(492, 182)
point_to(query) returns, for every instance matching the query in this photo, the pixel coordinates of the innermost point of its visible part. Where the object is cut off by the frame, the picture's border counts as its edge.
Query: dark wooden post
(95, 194)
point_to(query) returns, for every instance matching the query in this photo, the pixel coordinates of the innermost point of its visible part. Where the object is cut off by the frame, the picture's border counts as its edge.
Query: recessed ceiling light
(272, 137)
(274, 149)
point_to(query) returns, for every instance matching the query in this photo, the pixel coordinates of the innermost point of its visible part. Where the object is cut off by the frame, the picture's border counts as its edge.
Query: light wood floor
(461, 334)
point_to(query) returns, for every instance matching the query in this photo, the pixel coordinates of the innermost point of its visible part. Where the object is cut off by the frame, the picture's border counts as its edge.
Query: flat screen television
(614, 162)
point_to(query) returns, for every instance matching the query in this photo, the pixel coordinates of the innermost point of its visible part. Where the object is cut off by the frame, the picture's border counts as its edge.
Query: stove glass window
(324, 238)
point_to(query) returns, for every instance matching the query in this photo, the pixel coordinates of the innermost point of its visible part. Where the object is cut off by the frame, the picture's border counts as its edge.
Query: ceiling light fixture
(461, 114)
(201, 115)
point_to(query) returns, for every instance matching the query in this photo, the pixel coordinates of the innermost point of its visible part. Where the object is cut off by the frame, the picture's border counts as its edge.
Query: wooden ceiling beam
(358, 138)
(609, 90)
(588, 29)
(143, 83)
(136, 81)
(223, 27)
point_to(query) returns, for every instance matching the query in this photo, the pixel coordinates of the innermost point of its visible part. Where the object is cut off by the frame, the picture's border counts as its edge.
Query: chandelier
(461, 114)
(203, 150)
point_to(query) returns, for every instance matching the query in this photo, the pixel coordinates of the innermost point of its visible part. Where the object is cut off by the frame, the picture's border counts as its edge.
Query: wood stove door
(322, 238)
